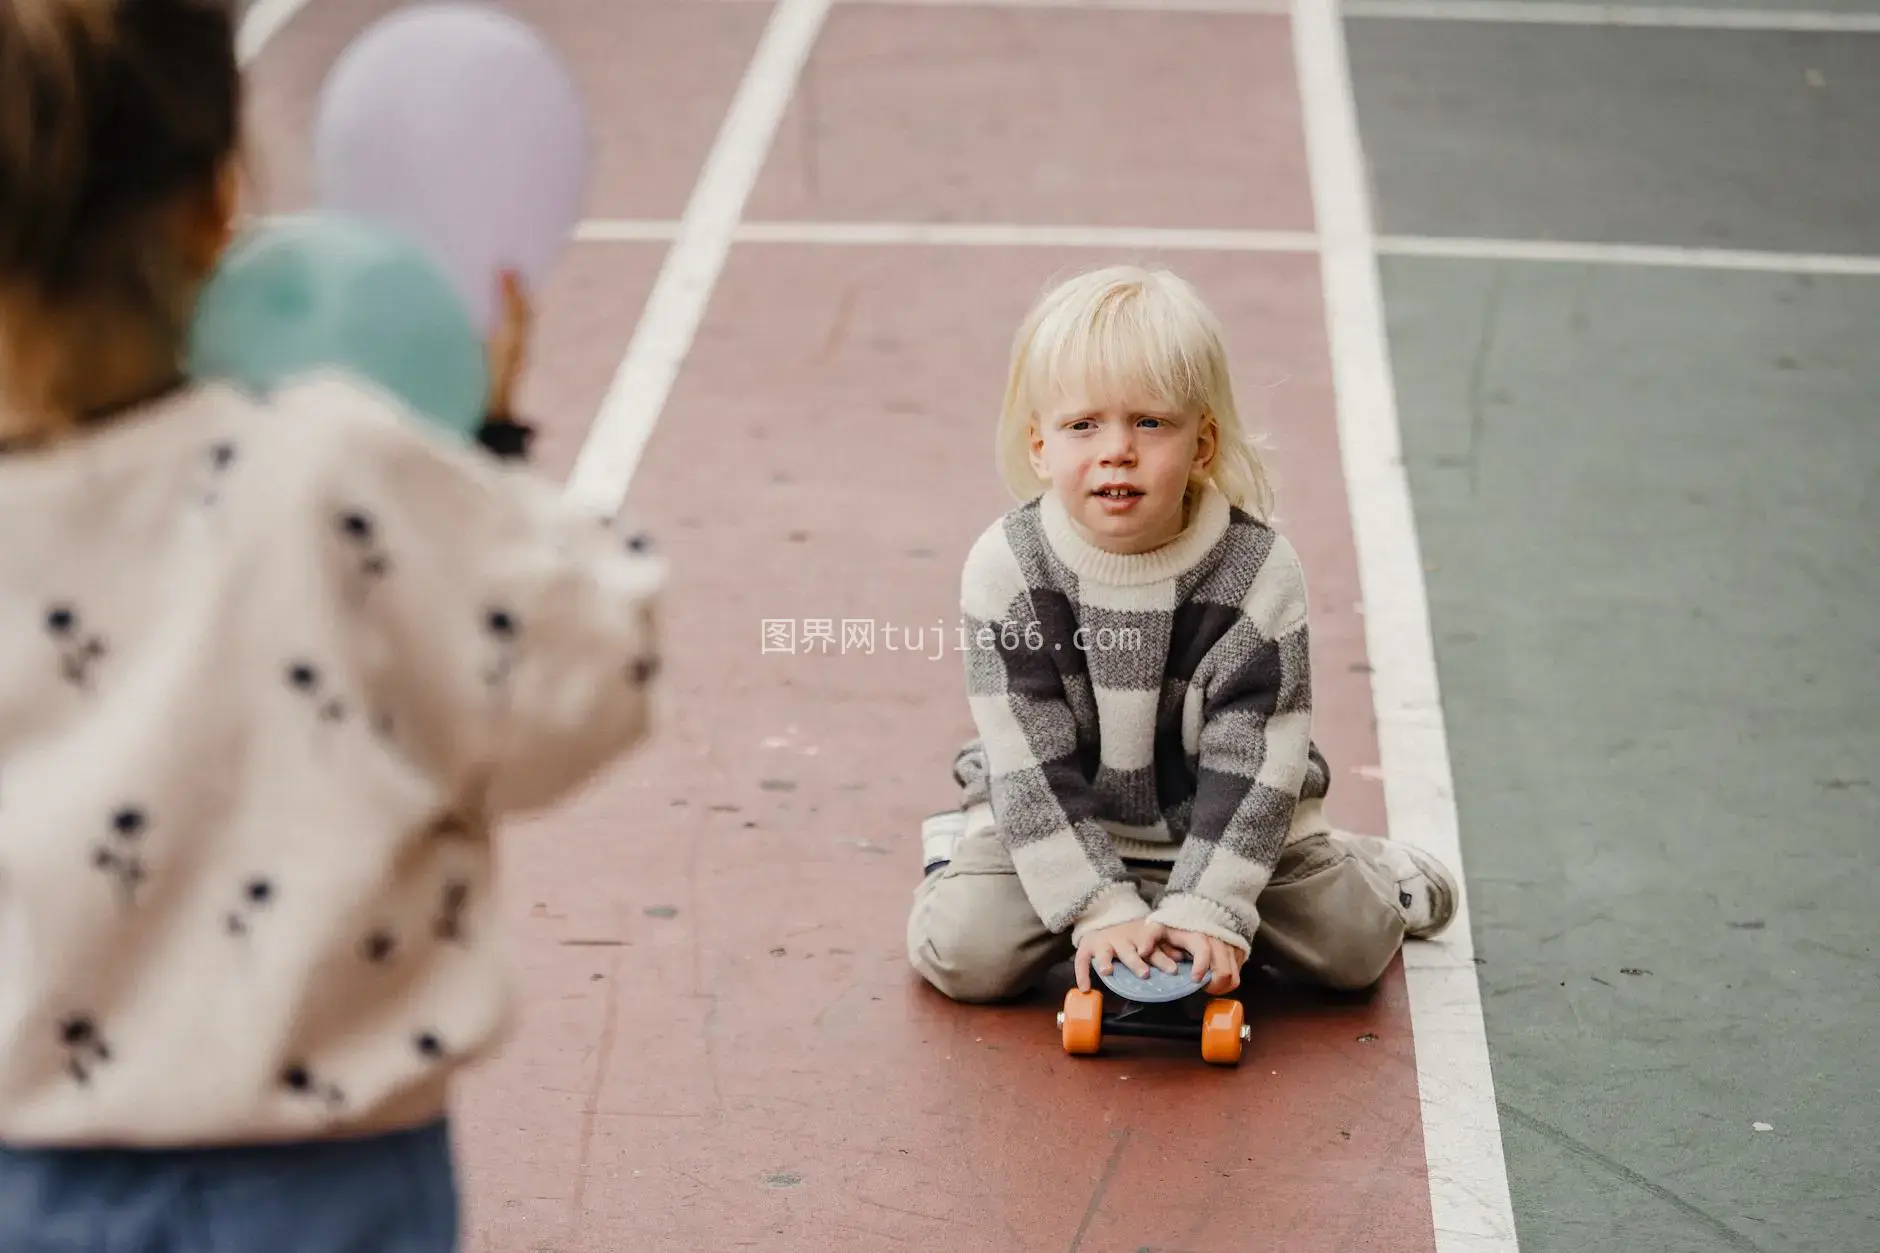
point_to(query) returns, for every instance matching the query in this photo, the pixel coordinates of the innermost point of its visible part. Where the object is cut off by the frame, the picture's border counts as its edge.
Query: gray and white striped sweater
(1151, 707)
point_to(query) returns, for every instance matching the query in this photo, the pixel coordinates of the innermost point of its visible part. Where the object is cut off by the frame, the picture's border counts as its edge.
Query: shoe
(1426, 891)
(939, 833)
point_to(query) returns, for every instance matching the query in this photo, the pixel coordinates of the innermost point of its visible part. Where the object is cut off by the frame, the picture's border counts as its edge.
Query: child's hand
(1132, 942)
(1211, 956)
(508, 345)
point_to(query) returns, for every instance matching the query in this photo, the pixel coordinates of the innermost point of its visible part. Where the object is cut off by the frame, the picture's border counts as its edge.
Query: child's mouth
(1117, 499)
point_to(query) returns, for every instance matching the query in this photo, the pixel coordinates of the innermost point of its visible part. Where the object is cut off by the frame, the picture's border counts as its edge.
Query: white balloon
(459, 125)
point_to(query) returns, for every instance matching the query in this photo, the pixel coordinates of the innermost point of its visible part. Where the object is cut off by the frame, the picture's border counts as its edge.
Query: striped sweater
(1151, 707)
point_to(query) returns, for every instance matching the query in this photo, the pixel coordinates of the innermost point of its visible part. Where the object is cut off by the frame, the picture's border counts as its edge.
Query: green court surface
(1648, 498)
(1650, 510)
(1701, 138)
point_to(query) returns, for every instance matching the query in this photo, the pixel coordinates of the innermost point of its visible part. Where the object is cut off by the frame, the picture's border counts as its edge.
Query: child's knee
(964, 968)
(1331, 916)
(1351, 967)
(974, 937)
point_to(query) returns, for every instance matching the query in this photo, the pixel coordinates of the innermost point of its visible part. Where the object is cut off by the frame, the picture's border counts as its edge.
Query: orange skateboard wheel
(1223, 1031)
(1082, 1021)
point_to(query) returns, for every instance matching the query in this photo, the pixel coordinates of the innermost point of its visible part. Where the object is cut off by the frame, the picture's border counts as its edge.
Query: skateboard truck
(1222, 1028)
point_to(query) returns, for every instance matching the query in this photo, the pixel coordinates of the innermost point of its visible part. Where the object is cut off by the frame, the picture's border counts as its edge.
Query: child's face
(1121, 468)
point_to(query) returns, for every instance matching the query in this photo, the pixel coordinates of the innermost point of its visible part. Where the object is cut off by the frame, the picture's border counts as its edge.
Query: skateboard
(1220, 1025)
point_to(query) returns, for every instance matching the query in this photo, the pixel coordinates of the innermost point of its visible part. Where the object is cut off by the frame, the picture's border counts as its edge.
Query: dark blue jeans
(386, 1194)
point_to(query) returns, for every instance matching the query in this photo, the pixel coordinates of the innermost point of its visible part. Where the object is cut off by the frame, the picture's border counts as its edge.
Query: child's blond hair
(1128, 333)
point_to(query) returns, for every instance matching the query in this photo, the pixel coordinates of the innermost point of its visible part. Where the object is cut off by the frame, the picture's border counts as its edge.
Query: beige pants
(1329, 915)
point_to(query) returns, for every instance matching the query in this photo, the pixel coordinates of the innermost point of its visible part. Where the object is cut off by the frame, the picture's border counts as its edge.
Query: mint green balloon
(326, 291)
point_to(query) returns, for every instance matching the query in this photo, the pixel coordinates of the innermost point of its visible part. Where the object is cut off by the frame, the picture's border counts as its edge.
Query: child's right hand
(1133, 943)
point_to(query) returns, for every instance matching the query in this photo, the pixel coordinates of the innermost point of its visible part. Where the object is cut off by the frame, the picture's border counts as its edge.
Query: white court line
(663, 337)
(1535, 12)
(1679, 17)
(1643, 255)
(958, 234)
(262, 22)
(1469, 1200)
(1156, 239)
(1273, 8)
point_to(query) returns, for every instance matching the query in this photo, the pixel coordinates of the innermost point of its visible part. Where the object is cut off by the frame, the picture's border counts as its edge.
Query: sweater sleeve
(506, 641)
(1043, 803)
(1255, 755)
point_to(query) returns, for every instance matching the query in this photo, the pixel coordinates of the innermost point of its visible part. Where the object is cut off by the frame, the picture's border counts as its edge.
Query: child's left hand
(1211, 956)
(507, 351)
(508, 345)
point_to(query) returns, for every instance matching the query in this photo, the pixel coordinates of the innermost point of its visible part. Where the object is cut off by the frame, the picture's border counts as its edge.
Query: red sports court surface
(721, 1044)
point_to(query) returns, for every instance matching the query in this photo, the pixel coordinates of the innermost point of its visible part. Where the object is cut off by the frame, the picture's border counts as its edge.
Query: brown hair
(112, 113)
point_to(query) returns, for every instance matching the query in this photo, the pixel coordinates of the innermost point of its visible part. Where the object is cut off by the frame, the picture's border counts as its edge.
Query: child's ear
(1035, 442)
(228, 196)
(209, 219)
(1207, 443)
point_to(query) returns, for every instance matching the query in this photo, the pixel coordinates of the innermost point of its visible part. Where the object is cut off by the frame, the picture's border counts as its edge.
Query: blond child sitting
(1144, 783)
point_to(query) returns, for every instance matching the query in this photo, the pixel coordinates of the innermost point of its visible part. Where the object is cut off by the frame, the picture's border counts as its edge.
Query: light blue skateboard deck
(1159, 988)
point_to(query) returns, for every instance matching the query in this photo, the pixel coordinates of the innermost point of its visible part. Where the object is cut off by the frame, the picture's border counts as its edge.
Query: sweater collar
(1174, 558)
